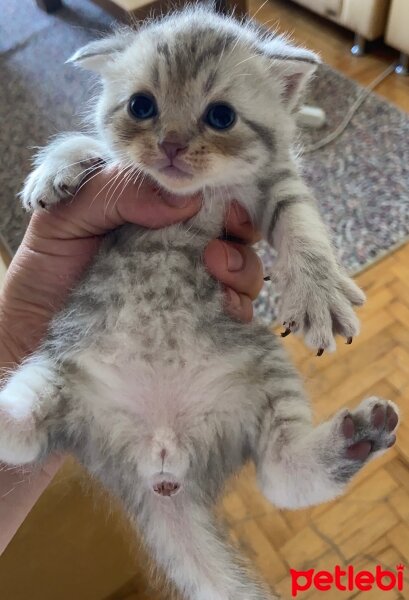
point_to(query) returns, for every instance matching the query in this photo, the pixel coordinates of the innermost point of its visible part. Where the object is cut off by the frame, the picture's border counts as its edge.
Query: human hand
(57, 248)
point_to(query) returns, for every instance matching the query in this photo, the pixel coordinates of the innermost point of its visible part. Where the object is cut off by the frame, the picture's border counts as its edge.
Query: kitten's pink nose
(172, 147)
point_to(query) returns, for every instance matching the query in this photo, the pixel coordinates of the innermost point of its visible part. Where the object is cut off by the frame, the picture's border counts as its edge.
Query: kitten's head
(197, 99)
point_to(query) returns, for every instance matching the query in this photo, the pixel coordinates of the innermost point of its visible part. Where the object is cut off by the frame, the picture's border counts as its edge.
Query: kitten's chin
(176, 184)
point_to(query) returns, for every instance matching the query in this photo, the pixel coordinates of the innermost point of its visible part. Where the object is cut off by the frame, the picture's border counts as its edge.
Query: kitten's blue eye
(220, 116)
(143, 106)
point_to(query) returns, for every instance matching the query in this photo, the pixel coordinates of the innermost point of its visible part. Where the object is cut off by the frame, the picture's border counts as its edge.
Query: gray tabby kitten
(143, 376)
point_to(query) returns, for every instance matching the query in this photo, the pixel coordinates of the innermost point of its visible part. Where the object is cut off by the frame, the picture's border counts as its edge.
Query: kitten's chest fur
(148, 294)
(151, 295)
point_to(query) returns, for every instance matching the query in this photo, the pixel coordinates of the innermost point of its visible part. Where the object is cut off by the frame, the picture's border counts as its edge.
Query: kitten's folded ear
(100, 54)
(291, 65)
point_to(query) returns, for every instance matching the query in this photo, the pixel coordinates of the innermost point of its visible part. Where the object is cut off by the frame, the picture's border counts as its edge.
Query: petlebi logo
(347, 579)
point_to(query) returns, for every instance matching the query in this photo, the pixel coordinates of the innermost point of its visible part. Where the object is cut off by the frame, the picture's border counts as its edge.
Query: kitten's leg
(317, 298)
(184, 538)
(60, 168)
(300, 465)
(27, 399)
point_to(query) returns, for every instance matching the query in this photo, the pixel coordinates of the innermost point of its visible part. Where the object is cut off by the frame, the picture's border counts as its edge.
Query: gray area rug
(361, 180)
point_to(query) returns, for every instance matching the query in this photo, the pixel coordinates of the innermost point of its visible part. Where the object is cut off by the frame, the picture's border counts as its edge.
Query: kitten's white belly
(163, 407)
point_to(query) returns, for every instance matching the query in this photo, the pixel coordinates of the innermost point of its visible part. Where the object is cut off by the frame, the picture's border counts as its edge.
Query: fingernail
(233, 299)
(235, 260)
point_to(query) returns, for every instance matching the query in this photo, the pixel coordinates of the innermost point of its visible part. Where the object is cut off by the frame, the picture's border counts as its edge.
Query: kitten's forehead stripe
(190, 53)
(163, 49)
(219, 46)
(156, 75)
(182, 63)
(209, 83)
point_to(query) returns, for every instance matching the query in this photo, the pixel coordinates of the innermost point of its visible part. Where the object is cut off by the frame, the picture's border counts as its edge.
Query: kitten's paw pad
(369, 429)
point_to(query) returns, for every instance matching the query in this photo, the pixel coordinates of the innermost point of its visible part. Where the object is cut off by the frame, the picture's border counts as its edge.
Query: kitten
(143, 376)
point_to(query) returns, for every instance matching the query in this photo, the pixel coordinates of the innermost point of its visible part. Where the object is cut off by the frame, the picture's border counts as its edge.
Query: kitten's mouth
(175, 172)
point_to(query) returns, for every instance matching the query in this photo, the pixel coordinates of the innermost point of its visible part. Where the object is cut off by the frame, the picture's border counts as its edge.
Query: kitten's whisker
(274, 30)
(129, 176)
(120, 178)
(77, 162)
(93, 172)
(87, 170)
(85, 181)
(112, 185)
(245, 60)
(222, 53)
(104, 187)
(141, 182)
(124, 182)
(234, 46)
(258, 10)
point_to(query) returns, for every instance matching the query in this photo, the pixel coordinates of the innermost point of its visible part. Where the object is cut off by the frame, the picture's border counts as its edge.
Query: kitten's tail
(187, 545)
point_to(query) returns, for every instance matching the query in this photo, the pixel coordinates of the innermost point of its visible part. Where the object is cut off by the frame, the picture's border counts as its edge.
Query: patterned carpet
(361, 181)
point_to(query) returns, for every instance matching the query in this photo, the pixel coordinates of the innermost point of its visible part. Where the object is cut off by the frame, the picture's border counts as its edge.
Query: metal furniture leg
(358, 49)
(403, 66)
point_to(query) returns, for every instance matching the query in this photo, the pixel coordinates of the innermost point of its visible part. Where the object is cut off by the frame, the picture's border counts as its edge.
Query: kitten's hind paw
(365, 432)
(370, 428)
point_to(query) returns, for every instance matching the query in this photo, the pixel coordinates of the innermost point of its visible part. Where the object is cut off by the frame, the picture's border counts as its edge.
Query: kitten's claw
(321, 312)
(286, 332)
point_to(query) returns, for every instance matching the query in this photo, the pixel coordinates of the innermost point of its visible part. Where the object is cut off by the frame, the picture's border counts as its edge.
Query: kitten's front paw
(49, 183)
(321, 310)
(19, 443)
(61, 168)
